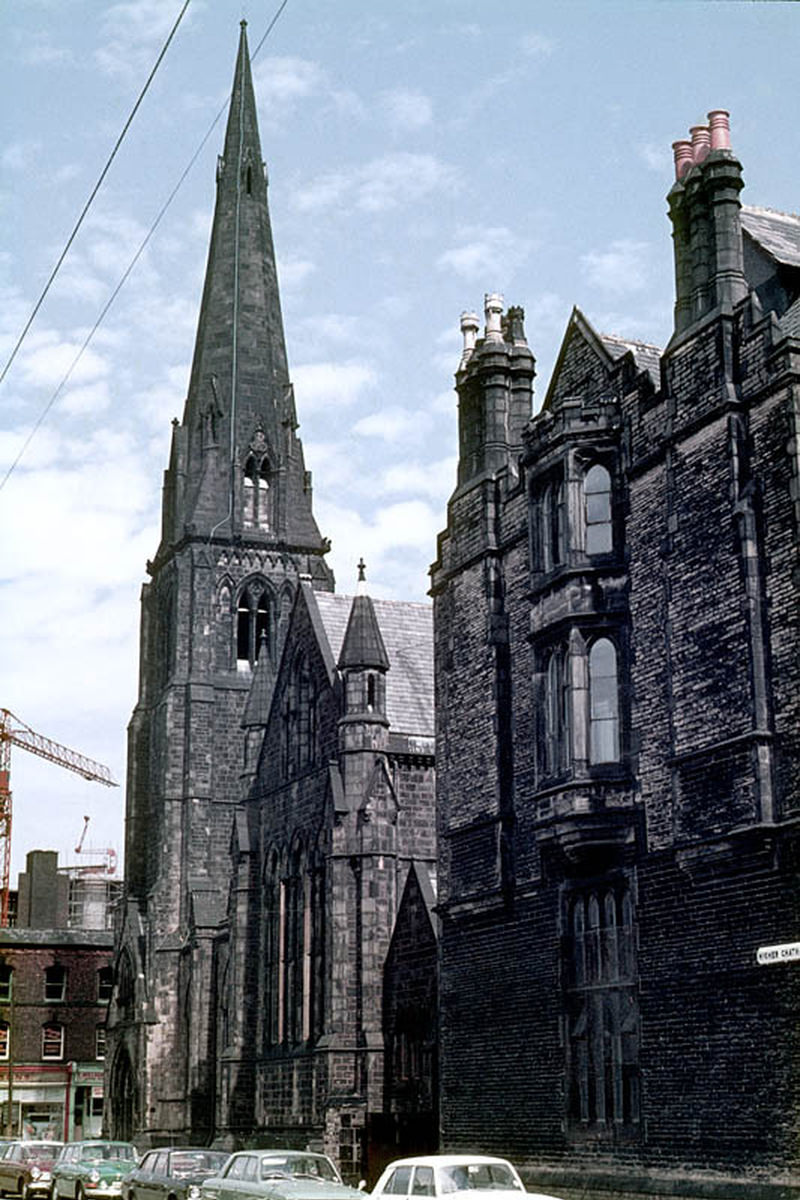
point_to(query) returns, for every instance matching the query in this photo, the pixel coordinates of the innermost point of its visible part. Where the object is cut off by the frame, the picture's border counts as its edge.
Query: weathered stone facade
(341, 807)
(615, 613)
(281, 776)
(238, 533)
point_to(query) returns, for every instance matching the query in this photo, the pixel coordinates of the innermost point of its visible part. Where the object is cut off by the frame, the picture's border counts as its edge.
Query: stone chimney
(704, 209)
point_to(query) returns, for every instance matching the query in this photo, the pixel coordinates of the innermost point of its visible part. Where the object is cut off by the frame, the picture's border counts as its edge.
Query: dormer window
(597, 511)
(257, 497)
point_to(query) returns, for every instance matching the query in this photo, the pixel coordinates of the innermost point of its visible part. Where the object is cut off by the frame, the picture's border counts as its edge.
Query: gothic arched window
(257, 494)
(253, 626)
(603, 703)
(603, 1009)
(597, 511)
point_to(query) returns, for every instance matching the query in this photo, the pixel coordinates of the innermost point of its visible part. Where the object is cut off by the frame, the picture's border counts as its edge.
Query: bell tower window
(257, 494)
(252, 626)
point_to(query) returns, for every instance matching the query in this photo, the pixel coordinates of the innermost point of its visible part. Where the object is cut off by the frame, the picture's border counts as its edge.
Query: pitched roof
(776, 232)
(407, 632)
(646, 356)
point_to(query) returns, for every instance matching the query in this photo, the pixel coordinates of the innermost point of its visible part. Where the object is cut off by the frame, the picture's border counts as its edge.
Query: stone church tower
(238, 533)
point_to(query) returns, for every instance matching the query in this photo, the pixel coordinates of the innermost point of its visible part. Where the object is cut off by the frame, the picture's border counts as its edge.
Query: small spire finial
(362, 570)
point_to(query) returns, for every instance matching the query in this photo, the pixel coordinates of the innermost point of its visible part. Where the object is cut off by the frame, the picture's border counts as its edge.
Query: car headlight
(193, 1192)
(35, 1172)
(94, 1175)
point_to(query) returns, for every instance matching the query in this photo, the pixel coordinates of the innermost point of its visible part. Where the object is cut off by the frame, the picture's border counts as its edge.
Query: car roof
(444, 1160)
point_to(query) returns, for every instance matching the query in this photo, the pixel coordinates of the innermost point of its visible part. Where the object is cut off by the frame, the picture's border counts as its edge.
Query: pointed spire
(239, 420)
(363, 644)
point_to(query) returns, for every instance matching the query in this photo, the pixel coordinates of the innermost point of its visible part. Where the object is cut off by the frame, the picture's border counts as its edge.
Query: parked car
(26, 1168)
(278, 1175)
(92, 1168)
(448, 1175)
(173, 1174)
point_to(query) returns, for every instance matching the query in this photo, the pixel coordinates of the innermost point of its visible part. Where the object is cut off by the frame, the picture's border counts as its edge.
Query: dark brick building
(280, 779)
(55, 986)
(615, 614)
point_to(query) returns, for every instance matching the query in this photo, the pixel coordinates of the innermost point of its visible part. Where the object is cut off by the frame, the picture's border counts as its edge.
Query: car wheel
(79, 1192)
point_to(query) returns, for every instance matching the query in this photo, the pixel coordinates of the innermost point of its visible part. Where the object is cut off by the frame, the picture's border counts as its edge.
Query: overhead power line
(160, 215)
(93, 193)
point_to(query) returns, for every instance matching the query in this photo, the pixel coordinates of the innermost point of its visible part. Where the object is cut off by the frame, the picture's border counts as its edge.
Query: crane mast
(14, 732)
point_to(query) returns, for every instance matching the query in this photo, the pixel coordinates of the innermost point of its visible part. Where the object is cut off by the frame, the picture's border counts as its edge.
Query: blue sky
(420, 154)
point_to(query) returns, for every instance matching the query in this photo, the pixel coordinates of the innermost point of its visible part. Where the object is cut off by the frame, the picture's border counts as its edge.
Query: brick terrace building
(55, 985)
(617, 665)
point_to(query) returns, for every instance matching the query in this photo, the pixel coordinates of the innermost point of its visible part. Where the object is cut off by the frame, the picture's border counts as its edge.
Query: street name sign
(767, 956)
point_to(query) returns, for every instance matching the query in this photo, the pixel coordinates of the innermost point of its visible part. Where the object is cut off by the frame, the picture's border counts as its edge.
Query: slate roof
(776, 232)
(407, 631)
(646, 356)
(363, 643)
(790, 321)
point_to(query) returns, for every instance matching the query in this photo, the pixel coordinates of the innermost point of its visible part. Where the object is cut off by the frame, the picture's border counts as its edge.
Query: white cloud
(134, 31)
(407, 109)
(384, 183)
(45, 358)
(656, 157)
(92, 399)
(293, 272)
(280, 82)
(393, 424)
(490, 256)
(434, 480)
(537, 45)
(19, 156)
(335, 384)
(623, 267)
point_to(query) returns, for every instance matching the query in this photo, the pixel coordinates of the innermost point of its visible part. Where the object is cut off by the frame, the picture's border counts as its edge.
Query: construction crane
(14, 732)
(109, 853)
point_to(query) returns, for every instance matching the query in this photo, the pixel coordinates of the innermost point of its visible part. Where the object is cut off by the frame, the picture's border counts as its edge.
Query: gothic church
(280, 775)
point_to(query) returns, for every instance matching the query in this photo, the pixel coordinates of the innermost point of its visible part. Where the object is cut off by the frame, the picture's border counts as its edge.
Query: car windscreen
(309, 1166)
(196, 1162)
(480, 1177)
(113, 1150)
(40, 1150)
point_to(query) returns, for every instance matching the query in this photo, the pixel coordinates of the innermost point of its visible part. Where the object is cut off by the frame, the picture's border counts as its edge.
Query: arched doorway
(122, 1100)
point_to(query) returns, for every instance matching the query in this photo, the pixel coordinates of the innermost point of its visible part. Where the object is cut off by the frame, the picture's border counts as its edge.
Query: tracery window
(299, 720)
(257, 512)
(294, 951)
(597, 511)
(603, 702)
(602, 1008)
(252, 624)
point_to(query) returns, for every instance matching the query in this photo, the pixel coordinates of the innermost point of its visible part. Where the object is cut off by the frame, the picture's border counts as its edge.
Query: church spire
(238, 464)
